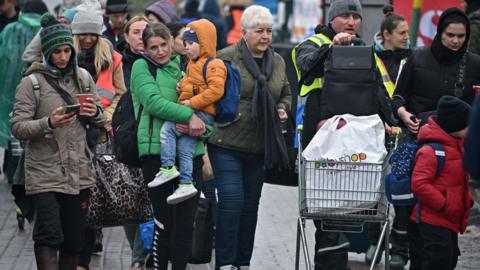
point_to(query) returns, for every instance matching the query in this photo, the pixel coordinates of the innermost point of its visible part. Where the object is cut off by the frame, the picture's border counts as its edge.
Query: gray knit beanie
(87, 23)
(339, 7)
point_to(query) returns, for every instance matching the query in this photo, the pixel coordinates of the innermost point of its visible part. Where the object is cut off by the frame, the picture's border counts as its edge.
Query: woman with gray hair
(241, 150)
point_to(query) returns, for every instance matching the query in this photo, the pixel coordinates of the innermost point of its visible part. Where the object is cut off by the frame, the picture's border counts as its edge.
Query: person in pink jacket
(443, 202)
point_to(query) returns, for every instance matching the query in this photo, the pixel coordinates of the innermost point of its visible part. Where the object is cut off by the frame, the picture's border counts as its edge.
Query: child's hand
(186, 103)
(178, 87)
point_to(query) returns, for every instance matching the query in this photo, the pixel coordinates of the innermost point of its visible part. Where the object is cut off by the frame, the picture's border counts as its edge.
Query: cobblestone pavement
(274, 246)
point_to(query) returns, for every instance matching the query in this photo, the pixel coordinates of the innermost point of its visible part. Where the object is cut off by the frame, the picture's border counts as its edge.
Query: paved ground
(274, 247)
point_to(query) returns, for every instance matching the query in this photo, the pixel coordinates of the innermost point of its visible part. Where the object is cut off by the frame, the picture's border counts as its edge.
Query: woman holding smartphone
(58, 166)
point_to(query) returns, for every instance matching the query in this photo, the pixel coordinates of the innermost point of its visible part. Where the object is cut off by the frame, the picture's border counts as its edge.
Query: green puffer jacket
(13, 40)
(159, 100)
(243, 134)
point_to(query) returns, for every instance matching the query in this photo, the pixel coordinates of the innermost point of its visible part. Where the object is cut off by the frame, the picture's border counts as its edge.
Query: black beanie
(35, 6)
(452, 114)
(116, 6)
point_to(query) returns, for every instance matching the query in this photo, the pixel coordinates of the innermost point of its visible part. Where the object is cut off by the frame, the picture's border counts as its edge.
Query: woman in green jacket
(155, 98)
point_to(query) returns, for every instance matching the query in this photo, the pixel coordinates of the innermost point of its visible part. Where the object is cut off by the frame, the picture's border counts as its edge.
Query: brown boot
(46, 258)
(67, 262)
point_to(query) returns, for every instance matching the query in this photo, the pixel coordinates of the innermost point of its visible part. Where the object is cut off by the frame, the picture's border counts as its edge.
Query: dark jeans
(398, 235)
(239, 180)
(432, 247)
(60, 220)
(173, 223)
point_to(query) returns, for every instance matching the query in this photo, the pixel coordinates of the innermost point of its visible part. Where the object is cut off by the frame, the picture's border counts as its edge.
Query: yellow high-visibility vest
(387, 80)
(320, 40)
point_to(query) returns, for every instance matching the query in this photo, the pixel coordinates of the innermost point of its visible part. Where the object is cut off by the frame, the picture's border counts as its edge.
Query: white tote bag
(333, 186)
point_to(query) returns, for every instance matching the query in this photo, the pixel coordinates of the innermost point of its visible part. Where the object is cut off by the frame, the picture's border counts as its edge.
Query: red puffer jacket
(446, 200)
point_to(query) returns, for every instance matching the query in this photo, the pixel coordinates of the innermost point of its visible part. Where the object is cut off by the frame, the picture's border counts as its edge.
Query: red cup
(82, 98)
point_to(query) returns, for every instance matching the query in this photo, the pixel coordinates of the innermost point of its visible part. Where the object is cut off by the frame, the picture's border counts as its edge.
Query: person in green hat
(58, 164)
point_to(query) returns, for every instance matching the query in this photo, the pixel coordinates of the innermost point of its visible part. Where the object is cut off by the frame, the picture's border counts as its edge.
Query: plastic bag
(360, 139)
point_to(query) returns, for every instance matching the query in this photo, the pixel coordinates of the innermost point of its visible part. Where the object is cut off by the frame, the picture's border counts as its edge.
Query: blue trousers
(174, 142)
(239, 181)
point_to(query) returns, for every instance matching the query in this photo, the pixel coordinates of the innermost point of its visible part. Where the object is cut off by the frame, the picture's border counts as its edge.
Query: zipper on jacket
(150, 131)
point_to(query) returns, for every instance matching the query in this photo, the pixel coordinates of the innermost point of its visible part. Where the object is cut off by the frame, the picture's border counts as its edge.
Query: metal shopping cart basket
(344, 196)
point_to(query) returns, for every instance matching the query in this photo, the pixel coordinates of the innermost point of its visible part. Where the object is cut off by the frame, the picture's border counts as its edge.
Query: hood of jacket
(31, 20)
(378, 42)
(49, 71)
(432, 132)
(207, 37)
(439, 51)
(37, 67)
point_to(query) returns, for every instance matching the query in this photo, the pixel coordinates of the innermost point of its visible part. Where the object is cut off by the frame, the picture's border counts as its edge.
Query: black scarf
(86, 60)
(264, 110)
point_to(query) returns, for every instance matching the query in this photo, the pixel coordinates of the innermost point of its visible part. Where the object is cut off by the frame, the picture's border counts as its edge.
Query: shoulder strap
(64, 94)
(205, 69)
(152, 68)
(440, 154)
(36, 87)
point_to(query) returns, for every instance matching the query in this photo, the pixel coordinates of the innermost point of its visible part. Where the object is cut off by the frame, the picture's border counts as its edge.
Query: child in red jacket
(444, 202)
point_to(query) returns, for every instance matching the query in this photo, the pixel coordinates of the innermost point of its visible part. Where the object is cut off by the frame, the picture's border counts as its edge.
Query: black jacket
(127, 60)
(308, 56)
(424, 80)
(391, 59)
(118, 40)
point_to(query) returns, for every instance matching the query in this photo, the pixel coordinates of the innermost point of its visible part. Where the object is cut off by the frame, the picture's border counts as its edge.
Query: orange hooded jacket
(203, 95)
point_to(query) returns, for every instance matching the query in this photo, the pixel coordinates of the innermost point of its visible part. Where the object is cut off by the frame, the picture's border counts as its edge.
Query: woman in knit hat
(162, 11)
(97, 56)
(58, 166)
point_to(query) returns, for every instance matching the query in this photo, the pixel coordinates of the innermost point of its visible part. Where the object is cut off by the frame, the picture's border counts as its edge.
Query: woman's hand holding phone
(60, 119)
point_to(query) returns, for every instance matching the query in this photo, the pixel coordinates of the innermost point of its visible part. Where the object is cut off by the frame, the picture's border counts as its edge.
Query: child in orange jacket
(199, 93)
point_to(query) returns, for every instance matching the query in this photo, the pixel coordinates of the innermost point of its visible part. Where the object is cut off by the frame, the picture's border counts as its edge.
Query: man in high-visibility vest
(345, 18)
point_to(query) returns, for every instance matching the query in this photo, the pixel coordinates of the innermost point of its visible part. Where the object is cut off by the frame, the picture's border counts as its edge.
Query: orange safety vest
(106, 90)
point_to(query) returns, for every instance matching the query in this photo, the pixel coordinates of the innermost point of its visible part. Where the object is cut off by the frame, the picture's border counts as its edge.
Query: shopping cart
(343, 196)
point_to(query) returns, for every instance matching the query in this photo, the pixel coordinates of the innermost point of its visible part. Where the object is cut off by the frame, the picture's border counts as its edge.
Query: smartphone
(71, 108)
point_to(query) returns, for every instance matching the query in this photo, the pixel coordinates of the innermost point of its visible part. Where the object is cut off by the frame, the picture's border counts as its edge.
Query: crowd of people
(174, 68)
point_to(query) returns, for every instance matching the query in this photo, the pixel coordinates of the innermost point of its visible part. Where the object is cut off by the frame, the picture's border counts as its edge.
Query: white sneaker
(163, 176)
(182, 193)
(138, 266)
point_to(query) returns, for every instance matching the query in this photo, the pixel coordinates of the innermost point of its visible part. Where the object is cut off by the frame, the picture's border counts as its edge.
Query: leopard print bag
(120, 195)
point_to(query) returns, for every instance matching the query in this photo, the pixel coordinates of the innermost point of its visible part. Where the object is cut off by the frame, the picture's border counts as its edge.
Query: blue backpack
(398, 182)
(227, 106)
